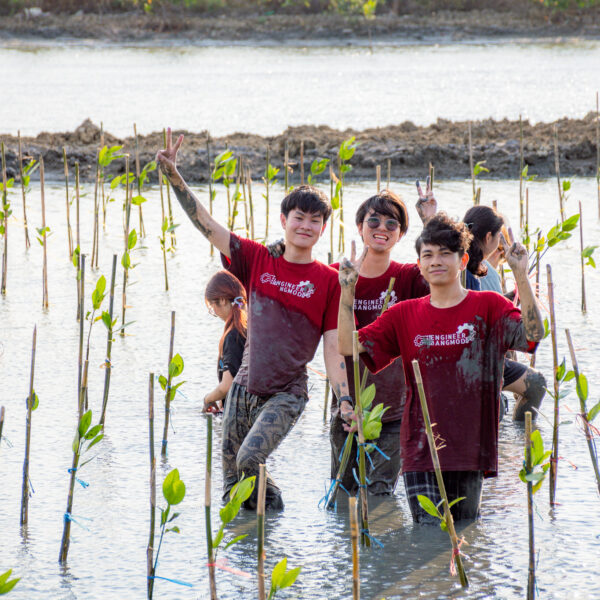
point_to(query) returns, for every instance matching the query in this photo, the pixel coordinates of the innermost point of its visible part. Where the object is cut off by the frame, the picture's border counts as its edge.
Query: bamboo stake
(260, 518)
(332, 218)
(168, 388)
(126, 232)
(66, 537)
(362, 467)
(286, 160)
(554, 457)
(30, 401)
(250, 203)
(301, 162)
(139, 184)
(4, 208)
(69, 232)
(23, 193)
(81, 320)
(584, 415)
(1, 422)
(267, 193)
(598, 152)
(355, 556)
(431, 176)
(378, 177)
(150, 548)
(583, 302)
(438, 474)
(527, 215)
(471, 161)
(557, 169)
(537, 268)
(109, 341)
(164, 234)
(45, 302)
(521, 166)
(528, 467)
(96, 237)
(389, 173)
(78, 240)
(207, 505)
(210, 190)
(171, 222)
(342, 237)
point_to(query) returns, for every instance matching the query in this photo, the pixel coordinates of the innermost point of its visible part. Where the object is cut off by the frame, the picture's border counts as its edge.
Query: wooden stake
(267, 194)
(527, 215)
(5, 209)
(250, 203)
(126, 236)
(431, 176)
(96, 237)
(528, 468)
(139, 183)
(598, 152)
(521, 166)
(171, 222)
(557, 169)
(168, 388)
(45, 302)
(207, 505)
(1, 422)
(471, 162)
(355, 556)
(389, 172)
(164, 234)
(69, 232)
(150, 548)
(30, 402)
(301, 162)
(438, 475)
(378, 176)
(260, 518)
(554, 457)
(23, 193)
(78, 240)
(210, 190)
(589, 438)
(583, 302)
(81, 321)
(286, 160)
(109, 340)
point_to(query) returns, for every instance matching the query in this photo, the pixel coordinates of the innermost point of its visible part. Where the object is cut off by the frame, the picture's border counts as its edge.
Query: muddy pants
(457, 484)
(382, 473)
(253, 427)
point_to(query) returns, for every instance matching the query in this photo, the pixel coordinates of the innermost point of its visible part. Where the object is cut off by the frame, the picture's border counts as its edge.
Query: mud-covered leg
(531, 388)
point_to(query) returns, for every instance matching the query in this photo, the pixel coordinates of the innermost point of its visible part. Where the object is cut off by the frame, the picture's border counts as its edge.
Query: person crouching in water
(225, 297)
(460, 338)
(382, 221)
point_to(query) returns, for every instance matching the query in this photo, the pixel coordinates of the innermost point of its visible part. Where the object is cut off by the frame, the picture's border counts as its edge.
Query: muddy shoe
(274, 501)
(522, 405)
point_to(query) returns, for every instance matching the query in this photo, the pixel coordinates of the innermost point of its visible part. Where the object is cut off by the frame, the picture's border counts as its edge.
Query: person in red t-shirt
(292, 302)
(382, 220)
(460, 338)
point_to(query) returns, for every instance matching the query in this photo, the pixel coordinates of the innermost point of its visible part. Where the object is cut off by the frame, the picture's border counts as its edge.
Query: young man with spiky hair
(460, 338)
(382, 221)
(292, 302)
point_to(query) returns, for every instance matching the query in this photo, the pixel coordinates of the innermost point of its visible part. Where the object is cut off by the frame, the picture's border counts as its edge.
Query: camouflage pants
(253, 427)
(382, 473)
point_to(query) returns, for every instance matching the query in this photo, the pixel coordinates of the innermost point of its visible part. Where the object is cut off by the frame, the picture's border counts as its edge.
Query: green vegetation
(6, 585)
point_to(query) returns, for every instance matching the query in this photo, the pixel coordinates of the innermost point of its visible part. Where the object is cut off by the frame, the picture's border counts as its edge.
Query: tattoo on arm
(190, 204)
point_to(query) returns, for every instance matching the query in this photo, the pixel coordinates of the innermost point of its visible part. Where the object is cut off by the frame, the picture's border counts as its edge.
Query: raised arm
(214, 232)
(516, 256)
(348, 277)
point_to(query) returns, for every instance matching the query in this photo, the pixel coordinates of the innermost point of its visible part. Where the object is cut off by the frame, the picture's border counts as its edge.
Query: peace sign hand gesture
(349, 269)
(167, 158)
(426, 204)
(515, 253)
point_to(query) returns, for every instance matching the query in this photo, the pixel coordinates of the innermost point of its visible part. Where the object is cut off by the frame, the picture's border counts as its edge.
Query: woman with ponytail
(226, 298)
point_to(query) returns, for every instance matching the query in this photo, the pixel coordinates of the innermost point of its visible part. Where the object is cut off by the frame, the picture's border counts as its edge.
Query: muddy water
(266, 89)
(107, 560)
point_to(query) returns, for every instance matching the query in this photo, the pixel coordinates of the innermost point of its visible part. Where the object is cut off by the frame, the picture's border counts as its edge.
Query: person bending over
(292, 302)
(460, 338)
(225, 297)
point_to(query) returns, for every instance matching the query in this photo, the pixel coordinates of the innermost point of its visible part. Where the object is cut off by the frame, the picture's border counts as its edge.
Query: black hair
(385, 203)
(441, 230)
(480, 220)
(308, 199)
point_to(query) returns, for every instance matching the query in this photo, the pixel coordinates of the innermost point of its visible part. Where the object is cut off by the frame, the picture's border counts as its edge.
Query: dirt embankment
(409, 148)
(412, 23)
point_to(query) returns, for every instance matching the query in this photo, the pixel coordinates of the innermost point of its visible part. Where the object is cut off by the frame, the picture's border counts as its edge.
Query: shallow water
(263, 90)
(108, 561)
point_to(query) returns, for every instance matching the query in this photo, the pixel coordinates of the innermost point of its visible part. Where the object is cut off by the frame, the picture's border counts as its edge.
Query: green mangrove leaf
(36, 401)
(174, 516)
(94, 441)
(582, 387)
(106, 320)
(242, 490)
(223, 157)
(115, 181)
(367, 397)
(278, 572)
(84, 423)
(566, 185)
(93, 432)
(480, 168)
(137, 200)
(125, 260)
(450, 504)
(6, 585)
(174, 529)
(290, 577)
(560, 370)
(131, 239)
(219, 537)
(235, 540)
(570, 223)
(347, 148)
(164, 513)
(537, 446)
(76, 254)
(162, 380)
(173, 488)
(570, 375)
(428, 506)
(176, 366)
(75, 444)
(593, 412)
(229, 512)
(318, 165)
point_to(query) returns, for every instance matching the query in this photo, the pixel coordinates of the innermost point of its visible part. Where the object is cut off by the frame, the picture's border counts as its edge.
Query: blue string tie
(31, 490)
(84, 484)
(69, 517)
(372, 538)
(177, 581)
(356, 478)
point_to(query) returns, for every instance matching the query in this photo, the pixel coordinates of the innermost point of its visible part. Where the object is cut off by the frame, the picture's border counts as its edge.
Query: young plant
(557, 234)
(166, 383)
(26, 174)
(524, 214)
(587, 253)
(86, 437)
(434, 509)
(345, 153)
(7, 585)
(281, 577)
(5, 212)
(141, 179)
(540, 464)
(317, 167)
(225, 168)
(105, 157)
(268, 179)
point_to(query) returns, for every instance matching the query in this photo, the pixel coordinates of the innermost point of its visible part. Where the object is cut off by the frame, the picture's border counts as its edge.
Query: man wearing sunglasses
(382, 221)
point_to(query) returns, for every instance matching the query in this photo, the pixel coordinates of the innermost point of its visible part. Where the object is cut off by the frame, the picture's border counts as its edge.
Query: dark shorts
(513, 370)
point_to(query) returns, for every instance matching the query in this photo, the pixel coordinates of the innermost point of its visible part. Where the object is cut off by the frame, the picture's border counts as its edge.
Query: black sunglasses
(390, 224)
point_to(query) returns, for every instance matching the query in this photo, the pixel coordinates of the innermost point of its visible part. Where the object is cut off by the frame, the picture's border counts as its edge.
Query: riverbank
(413, 25)
(409, 148)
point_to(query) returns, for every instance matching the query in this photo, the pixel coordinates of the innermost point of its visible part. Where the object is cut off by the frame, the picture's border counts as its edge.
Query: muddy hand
(515, 253)
(349, 269)
(276, 249)
(167, 157)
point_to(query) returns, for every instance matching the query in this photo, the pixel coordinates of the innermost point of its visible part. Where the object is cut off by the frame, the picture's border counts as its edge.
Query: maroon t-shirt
(390, 385)
(290, 306)
(461, 356)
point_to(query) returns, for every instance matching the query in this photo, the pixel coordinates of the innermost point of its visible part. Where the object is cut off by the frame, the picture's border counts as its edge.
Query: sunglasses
(390, 224)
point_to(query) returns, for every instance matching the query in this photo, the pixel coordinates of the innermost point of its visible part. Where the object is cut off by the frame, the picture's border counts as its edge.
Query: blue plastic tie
(367, 480)
(84, 484)
(177, 581)
(373, 539)
(31, 490)
(3, 438)
(70, 517)
(376, 447)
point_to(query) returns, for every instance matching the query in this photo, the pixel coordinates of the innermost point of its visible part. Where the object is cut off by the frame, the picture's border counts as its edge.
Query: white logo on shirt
(304, 289)
(464, 335)
(376, 304)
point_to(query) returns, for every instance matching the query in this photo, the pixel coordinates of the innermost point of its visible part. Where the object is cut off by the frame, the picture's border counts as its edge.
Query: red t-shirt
(290, 306)
(390, 385)
(461, 356)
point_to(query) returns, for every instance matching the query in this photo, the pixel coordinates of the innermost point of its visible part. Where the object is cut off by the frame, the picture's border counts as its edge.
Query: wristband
(347, 399)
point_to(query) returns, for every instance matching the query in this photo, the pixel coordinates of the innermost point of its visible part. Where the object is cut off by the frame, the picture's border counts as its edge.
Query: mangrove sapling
(281, 577)
(368, 8)
(286, 166)
(524, 179)
(559, 374)
(105, 157)
(5, 212)
(96, 235)
(248, 179)
(586, 416)
(86, 437)
(43, 231)
(534, 471)
(137, 175)
(225, 168)
(130, 242)
(345, 153)
(107, 319)
(317, 167)
(207, 508)
(69, 232)
(260, 526)
(586, 253)
(447, 522)
(150, 547)
(301, 162)
(80, 308)
(141, 178)
(32, 404)
(559, 233)
(25, 174)
(355, 556)
(169, 205)
(268, 179)
(557, 171)
(7, 585)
